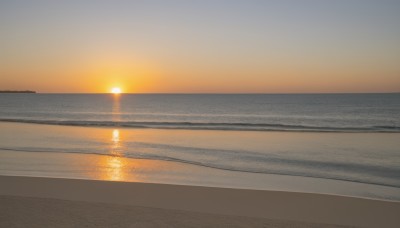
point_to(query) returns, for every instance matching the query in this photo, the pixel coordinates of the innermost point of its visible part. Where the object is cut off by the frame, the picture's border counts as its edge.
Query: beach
(101, 161)
(45, 189)
(86, 202)
(199, 158)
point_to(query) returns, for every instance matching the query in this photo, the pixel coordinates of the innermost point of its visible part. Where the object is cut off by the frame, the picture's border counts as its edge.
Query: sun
(116, 90)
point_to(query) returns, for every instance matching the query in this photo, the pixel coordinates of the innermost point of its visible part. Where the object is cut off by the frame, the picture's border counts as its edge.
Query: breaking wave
(208, 126)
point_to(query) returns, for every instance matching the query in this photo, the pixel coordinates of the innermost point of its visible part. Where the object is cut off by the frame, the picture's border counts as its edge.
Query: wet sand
(56, 202)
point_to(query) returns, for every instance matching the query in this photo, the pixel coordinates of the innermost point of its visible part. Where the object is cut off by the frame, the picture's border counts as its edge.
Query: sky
(188, 46)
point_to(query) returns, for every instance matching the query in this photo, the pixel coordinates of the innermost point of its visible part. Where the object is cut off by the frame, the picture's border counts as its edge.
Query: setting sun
(116, 90)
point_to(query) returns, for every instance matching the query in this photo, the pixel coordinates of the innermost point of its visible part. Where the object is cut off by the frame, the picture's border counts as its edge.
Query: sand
(54, 202)
(38, 212)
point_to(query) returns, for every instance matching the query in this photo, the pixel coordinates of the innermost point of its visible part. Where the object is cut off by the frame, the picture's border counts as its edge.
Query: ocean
(264, 112)
(344, 137)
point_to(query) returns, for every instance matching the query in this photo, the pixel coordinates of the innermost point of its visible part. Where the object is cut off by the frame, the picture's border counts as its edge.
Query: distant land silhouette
(17, 91)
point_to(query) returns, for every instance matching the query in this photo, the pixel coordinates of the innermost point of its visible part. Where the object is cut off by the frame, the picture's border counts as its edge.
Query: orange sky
(248, 47)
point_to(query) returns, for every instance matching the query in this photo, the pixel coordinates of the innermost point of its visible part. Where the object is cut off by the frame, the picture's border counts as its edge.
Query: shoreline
(205, 186)
(203, 166)
(288, 206)
(108, 168)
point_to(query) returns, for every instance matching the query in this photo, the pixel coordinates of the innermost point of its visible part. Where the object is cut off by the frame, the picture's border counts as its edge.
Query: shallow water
(371, 158)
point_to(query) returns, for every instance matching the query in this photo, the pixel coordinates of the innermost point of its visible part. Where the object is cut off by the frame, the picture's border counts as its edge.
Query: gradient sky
(200, 46)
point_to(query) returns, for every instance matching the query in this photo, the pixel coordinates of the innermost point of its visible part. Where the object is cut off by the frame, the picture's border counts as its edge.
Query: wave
(360, 173)
(208, 126)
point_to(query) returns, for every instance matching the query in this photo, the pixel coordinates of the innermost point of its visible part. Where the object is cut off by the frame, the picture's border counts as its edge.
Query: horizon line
(182, 93)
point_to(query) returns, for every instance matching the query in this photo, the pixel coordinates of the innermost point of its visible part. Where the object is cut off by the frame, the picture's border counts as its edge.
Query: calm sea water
(350, 137)
(333, 112)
